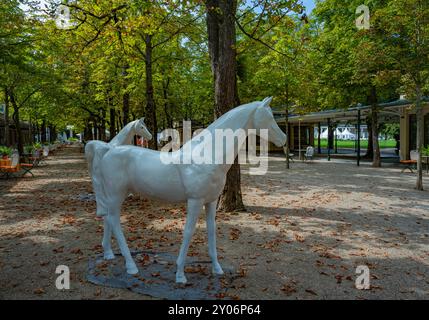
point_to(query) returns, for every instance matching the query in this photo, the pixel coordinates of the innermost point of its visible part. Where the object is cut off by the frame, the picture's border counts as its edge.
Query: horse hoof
(180, 278)
(101, 214)
(132, 270)
(109, 256)
(217, 269)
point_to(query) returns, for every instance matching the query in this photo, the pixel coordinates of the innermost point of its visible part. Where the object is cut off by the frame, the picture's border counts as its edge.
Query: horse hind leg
(101, 210)
(100, 194)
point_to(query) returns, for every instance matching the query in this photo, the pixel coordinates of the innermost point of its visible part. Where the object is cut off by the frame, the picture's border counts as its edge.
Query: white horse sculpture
(126, 168)
(96, 149)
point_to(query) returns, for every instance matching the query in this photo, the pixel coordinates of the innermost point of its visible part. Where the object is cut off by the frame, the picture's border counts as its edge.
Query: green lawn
(351, 143)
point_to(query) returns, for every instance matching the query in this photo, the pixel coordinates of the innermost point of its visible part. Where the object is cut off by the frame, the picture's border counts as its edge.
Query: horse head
(263, 118)
(142, 130)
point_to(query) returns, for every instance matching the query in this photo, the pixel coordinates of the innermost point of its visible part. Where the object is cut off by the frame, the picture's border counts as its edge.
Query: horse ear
(266, 102)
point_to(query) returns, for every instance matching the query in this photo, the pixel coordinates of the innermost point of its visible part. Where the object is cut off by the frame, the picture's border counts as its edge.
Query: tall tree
(222, 49)
(221, 20)
(355, 65)
(407, 26)
(6, 118)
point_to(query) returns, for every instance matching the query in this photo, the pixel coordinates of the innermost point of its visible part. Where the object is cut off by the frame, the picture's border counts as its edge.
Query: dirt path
(305, 232)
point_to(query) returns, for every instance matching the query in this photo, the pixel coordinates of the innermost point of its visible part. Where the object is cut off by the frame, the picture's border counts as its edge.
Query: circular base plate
(157, 274)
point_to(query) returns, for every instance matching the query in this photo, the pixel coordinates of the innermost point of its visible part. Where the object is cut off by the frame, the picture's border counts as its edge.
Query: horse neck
(124, 136)
(238, 118)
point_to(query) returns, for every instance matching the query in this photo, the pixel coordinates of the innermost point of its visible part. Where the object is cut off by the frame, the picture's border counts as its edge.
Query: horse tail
(89, 154)
(97, 181)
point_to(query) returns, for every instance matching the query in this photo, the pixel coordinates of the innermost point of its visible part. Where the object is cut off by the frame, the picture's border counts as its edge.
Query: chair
(8, 171)
(290, 155)
(45, 153)
(309, 153)
(410, 164)
(17, 167)
(36, 158)
(27, 167)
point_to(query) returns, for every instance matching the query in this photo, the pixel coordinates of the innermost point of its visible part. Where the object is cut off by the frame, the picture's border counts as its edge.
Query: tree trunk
(49, 138)
(287, 127)
(370, 150)
(37, 132)
(96, 131)
(125, 98)
(87, 132)
(376, 162)
(168, 117)
(330, 137)
(54, 134)
(150, 101)
(103, 125)
(420, 138)
(112, 114)
(6, 118)
(30, 128)
(119, 125)
(17, 122)
(222, 50)
(112, 127)
(43, 131)
(335, 139)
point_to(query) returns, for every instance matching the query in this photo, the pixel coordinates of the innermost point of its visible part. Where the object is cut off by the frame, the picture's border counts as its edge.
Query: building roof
(388, 110)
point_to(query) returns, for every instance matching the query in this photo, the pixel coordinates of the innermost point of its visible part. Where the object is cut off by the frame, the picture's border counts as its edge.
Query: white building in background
(346, 135)
(343, 132)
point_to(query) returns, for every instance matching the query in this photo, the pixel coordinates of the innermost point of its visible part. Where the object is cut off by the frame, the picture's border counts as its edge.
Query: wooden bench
(409, 164)
(11, 168)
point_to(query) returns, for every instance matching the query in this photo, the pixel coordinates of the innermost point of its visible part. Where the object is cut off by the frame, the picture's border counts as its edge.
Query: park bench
(410, 164)
(15, 168)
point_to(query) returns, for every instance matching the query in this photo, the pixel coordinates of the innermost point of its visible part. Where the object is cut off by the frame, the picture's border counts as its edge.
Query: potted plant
(37, 146)
(5, 152)
(28, 149)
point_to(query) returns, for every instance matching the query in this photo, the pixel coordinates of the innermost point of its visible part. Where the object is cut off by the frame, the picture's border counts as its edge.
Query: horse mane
(221, 122)
(117, 140)
(231, 113)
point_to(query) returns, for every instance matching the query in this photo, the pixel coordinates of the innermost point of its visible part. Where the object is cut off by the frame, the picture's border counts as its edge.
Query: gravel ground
(303, 235)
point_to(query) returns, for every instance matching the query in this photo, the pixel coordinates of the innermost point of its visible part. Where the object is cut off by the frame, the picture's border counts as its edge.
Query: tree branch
(29, 96)
(259, 40)
(103, 16)
(179, 30)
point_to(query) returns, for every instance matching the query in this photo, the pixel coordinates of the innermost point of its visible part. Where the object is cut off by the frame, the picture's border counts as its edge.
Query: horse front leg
(107, 241)
(211, 235)
(114, 221)
(193, 211)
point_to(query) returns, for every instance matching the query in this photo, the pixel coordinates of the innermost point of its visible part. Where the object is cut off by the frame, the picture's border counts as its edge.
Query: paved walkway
(305, 232)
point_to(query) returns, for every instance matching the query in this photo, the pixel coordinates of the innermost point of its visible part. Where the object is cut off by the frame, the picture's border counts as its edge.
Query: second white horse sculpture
(127, 169)
(96, 149)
